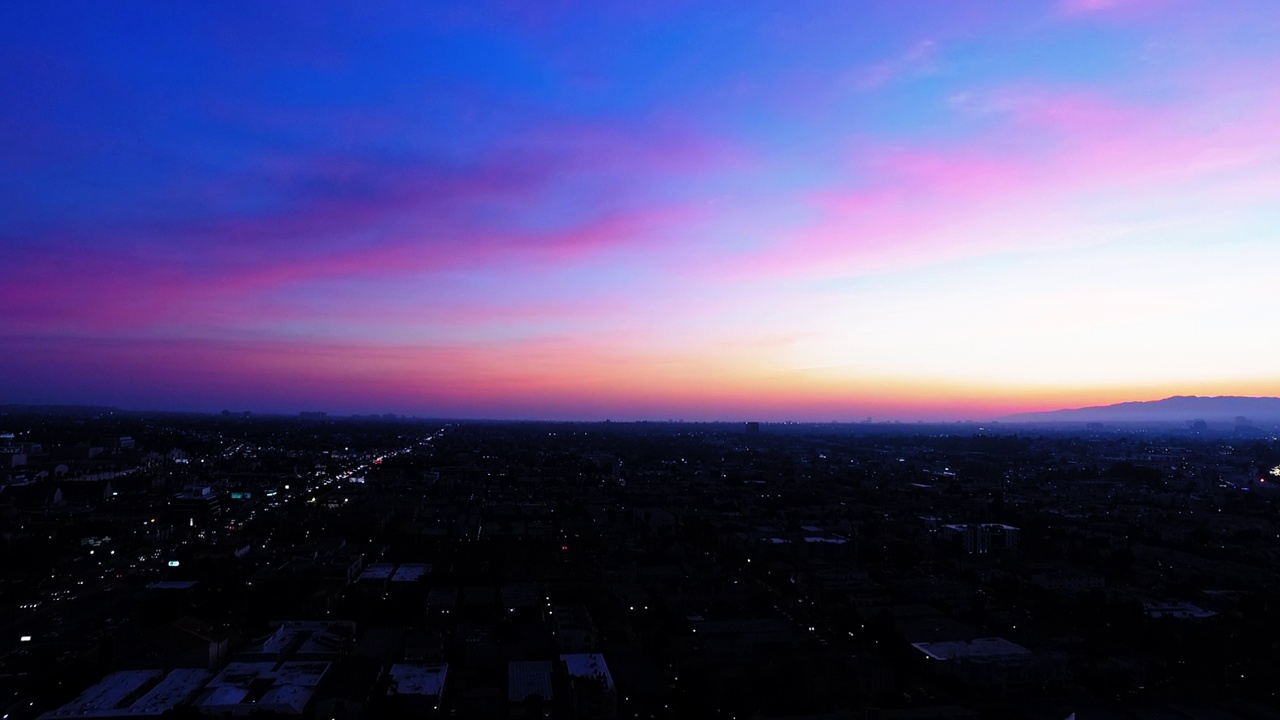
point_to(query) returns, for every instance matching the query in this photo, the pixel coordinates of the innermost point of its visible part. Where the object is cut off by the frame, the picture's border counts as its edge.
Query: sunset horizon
(571, 414)
(686, 211)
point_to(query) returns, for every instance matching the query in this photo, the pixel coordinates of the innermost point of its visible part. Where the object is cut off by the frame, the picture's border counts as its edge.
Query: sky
(924, 210)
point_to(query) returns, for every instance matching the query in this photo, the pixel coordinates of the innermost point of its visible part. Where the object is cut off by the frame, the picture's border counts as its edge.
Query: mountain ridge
(1173, 409)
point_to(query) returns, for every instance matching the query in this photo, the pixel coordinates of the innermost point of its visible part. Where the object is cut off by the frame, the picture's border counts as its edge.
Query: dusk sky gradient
(713, 210)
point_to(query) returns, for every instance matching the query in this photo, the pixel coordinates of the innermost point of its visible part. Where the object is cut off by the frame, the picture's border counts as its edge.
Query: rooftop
(415, 679)
(1176, 609)
(310, 637)
(176, 687)
(107, 694)
(588, 665)
(529, 677)
(411, 572)
(976, 648)
(285, 688)
(114, 695)
(377, 571)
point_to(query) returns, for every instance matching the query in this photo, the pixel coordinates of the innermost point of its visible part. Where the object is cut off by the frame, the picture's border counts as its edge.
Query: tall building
(196, 505)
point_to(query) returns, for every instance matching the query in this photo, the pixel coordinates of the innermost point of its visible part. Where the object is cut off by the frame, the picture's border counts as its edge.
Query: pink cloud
(924, 204)
(108, 290)
(1110, 8)
(1073, 7)
(360, 221)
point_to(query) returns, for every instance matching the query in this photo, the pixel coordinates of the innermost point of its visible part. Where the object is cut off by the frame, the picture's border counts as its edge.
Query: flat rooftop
(103, 698)
(264, 686)
(419, 679)
(528, 677)
(588, 665)
(177, 687)
(377, 571)
(319, 637)
(241, 673)
(411, 572)
(977, 648)
(1176, 610)
(114, 695)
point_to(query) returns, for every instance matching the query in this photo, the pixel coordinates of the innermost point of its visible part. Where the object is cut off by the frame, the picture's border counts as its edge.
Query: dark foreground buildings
(322, 567)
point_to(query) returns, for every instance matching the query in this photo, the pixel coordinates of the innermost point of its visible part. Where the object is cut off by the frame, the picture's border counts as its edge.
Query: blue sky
(916, 210)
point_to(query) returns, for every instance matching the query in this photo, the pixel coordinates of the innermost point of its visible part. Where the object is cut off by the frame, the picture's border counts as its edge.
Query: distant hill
(1180, 409)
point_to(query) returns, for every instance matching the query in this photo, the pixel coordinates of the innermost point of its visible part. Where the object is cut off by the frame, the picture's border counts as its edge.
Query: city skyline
(698, 211)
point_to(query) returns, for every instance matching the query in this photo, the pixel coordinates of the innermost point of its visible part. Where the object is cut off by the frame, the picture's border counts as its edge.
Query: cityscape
(833, 360)
(184, 565)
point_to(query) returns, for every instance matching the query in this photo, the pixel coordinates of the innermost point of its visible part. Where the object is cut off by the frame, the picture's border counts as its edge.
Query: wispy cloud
(1075, 7)
(918, 61)
(549, 198)
(1050, 159)
(1102, 8)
